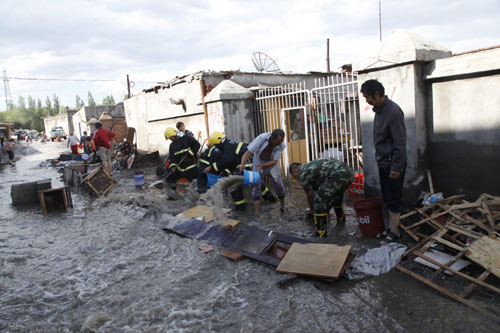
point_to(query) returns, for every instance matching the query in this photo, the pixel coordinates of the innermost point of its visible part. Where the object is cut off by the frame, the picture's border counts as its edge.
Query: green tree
(57, 104)
(90, 99)
(79, 103)
(48, 106)
(108, 100)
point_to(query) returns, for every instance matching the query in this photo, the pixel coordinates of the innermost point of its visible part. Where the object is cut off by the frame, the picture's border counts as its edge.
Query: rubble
(460, 228)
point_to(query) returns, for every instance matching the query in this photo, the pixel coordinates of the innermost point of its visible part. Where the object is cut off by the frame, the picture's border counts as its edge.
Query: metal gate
(320, 122)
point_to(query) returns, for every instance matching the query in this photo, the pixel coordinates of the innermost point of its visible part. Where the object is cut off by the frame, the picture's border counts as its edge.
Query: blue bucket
(139, 178)
(251, 178)
(212, 180)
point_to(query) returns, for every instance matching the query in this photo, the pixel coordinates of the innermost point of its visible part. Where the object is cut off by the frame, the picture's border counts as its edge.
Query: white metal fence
(319, 122)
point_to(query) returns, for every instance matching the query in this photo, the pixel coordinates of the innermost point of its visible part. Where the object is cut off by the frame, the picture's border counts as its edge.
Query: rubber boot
(238, 198)
(340, 213)
(321, 224)
(267, 194)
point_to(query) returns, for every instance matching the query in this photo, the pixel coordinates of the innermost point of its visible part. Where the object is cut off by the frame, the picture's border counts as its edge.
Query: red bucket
(370, 216)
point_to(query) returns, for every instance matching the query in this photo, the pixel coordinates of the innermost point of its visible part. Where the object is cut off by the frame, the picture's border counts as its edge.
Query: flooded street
(109, 259)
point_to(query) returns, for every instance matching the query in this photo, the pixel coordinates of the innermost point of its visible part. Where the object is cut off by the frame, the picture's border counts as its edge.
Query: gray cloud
(156, 39)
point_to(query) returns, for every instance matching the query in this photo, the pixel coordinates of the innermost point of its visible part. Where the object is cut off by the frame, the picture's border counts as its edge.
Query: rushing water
(108, 258)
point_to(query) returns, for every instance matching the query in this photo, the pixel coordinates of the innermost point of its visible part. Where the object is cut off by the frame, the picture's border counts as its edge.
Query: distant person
(73, 143)
(1, 146)
(389, 138)
(85, 142)
(182, 128)
(102, 139)
(8, 144)
(325, 181)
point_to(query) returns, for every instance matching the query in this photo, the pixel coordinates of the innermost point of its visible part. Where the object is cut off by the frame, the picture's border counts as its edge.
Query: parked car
(57, 132)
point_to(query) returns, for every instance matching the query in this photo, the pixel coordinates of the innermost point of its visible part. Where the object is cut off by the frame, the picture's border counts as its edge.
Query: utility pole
(380, 19)
(8, 97)
(328, 55)
(128, 86)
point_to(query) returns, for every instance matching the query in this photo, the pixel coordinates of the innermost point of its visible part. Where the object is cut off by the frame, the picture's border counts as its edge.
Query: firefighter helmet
(169, 132)
(216, 138)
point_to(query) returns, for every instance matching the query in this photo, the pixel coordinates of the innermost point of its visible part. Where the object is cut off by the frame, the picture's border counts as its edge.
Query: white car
(57, 132)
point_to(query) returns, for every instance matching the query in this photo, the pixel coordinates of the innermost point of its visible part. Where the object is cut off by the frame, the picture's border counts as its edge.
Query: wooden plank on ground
(473, 286)
(207, 214)
(448, 293)
(486, 252)
(317, 260)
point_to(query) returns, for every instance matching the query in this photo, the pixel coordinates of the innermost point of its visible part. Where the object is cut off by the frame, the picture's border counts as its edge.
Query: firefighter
(230, 157)
(209, 156)
(325, 181)
(182, 160)
(228, 163)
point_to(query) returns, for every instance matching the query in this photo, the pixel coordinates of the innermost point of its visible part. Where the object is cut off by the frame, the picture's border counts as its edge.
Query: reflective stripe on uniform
(204, 161)
(239, 148)
(187, 150)
(210, 151)
(187, 168)
(241, 202)
(215, 167)
(265, 191)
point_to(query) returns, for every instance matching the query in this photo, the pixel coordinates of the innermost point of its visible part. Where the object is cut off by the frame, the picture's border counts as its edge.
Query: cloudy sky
(156, 40)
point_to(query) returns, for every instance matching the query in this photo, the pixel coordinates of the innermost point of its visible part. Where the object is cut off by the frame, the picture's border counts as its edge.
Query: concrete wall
(58, 120)
(464, 123)
(451, 116)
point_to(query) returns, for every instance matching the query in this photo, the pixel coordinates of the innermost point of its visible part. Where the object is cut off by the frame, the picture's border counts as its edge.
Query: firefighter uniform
(182, 156)
(230, 157)
(209, 156)
(329, 179)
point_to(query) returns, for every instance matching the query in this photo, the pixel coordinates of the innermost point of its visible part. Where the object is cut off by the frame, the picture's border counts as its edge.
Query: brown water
(109, 255)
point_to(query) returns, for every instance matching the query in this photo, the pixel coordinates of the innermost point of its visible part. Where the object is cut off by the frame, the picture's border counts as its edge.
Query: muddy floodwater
(108, 263)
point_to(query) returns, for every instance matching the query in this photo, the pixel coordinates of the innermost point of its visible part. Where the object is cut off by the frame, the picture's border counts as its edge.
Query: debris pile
(448, 232)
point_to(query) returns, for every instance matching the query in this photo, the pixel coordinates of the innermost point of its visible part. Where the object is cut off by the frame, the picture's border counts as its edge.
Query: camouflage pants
(331, 192)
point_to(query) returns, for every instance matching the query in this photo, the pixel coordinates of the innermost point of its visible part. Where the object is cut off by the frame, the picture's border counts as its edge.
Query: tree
(57, 104)
(48, 105)
(79, 103)
(108, 100)
(90, 99)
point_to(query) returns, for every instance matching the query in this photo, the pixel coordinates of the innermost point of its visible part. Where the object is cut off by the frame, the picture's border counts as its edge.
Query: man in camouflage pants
(324, 181)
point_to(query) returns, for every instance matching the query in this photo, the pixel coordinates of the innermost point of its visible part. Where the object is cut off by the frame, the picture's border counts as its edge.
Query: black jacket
(185, 149)
(389, 136)
(231, 153)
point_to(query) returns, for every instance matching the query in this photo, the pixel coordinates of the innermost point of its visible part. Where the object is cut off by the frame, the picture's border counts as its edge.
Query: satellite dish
(264, 63)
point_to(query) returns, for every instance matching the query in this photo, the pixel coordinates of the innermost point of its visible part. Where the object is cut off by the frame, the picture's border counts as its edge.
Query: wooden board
(318, 260)
(486, 252)
(206, 213)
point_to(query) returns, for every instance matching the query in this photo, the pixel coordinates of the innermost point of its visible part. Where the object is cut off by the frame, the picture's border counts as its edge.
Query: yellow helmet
(170, 131)
(216, 138)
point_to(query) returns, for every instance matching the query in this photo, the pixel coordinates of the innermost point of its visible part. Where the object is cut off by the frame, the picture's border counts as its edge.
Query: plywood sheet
(317, 260)
(486, 252)
(206, 213)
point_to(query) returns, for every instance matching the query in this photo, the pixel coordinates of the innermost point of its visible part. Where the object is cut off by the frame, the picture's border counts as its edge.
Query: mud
(107, 263)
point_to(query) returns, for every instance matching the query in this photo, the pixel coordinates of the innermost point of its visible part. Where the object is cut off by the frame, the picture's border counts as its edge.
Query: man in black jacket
(389, 138)
(182, 159)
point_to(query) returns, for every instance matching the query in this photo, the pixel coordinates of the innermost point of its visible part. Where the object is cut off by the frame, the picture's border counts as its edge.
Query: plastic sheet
(376, 261)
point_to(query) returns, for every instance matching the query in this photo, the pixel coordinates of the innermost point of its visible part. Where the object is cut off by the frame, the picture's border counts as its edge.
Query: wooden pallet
(461, 228)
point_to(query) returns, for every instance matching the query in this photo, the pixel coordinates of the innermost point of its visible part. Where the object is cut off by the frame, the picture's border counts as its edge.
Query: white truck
(57, 132)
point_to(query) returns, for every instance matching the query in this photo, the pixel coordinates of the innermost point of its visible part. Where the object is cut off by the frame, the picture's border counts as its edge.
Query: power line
(71, 80)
